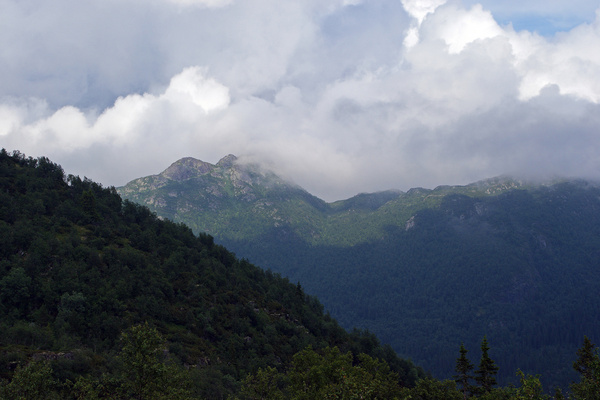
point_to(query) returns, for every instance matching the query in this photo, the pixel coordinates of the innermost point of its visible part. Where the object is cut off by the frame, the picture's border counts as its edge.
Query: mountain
(210, 197)
(426, 269)
(88, 282)
(235, 201)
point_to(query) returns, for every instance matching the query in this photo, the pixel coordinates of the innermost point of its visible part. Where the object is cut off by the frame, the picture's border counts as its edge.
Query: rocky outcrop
(187, 168)
(227, 162)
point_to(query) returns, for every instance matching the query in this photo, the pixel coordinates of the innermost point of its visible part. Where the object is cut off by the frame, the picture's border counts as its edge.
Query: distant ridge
(202, 195)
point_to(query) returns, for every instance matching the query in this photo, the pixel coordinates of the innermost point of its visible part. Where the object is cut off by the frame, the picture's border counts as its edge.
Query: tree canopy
(80, 268)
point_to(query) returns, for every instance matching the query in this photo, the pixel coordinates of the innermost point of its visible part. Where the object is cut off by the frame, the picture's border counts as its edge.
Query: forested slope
(424, 269)
(79, 267)
(520, 267)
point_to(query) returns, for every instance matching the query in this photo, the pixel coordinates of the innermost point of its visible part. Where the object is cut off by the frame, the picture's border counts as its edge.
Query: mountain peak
(227, 161)
(186, 168)
(189, 167)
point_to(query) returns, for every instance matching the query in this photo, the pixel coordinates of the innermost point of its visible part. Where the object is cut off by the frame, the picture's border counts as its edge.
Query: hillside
(80, 267)
(209, 197)
(236, 201)
(424, 269)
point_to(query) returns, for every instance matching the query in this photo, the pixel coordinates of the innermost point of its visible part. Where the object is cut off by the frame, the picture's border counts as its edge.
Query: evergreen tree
(485, 375)
(463, 369)
(585, 358)
(588, 365)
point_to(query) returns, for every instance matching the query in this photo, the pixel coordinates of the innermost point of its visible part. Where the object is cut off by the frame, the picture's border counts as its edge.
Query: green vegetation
(423, 270)
(244, 202)
(329, 374)
(99, 298)
(485, 375)
(323, 375)
(143, 373)
(463, 369)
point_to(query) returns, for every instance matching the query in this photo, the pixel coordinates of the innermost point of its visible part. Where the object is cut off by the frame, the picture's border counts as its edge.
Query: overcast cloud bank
(341, 96)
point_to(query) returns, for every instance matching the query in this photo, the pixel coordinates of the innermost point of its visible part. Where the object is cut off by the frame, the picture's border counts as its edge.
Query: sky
(339, 96)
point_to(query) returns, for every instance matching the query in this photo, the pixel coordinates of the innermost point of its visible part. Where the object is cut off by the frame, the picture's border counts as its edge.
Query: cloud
(459, 27)
(201, 3)
(189, 97)
(191, 86)
(419, 9)
(569, 62)
(340, 96)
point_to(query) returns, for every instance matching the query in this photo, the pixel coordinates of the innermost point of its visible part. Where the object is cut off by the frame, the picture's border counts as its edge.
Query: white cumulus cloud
(342, 96)
(188, 98)
(191, 86)
(420, 8)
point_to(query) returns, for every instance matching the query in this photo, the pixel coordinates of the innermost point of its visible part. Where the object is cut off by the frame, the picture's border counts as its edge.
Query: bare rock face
(187, 168)
(227, 161)
(410, 223)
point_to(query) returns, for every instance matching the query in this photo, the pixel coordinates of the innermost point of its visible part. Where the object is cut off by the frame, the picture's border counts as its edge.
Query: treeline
(330, 374)
(79, 268)
(145, 371)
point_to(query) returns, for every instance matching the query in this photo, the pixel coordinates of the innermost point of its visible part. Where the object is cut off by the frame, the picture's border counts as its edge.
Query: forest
(520, 267)
(80, 267)
(101, 299)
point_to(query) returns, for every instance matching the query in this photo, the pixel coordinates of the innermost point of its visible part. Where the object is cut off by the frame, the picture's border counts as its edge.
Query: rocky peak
(186, 168)
(227, 161)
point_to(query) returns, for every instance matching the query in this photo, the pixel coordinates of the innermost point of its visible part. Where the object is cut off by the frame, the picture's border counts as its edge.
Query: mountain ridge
(191, 191)
(190, 167)
(427, 269)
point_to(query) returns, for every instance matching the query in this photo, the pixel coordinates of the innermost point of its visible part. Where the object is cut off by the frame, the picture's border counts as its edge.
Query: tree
(588, 365)
(31, 382)
(485, 375)
(531, 388)
(313, 376)
(15, 290)
(326, 374)
(145, 375)
(88, 204)
(463, 369)
(432, 389)
(265, 384)
(586, 356)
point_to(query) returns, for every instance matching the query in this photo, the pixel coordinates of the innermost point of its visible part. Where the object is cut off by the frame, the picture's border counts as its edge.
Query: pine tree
(588, 365)
(585, 358)
(485, 375)
(463, 369)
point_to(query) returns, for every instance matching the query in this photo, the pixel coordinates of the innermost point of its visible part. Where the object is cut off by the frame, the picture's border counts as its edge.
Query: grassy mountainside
(209, 198)
(426, 269)
(236, 201)
(79, 266)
